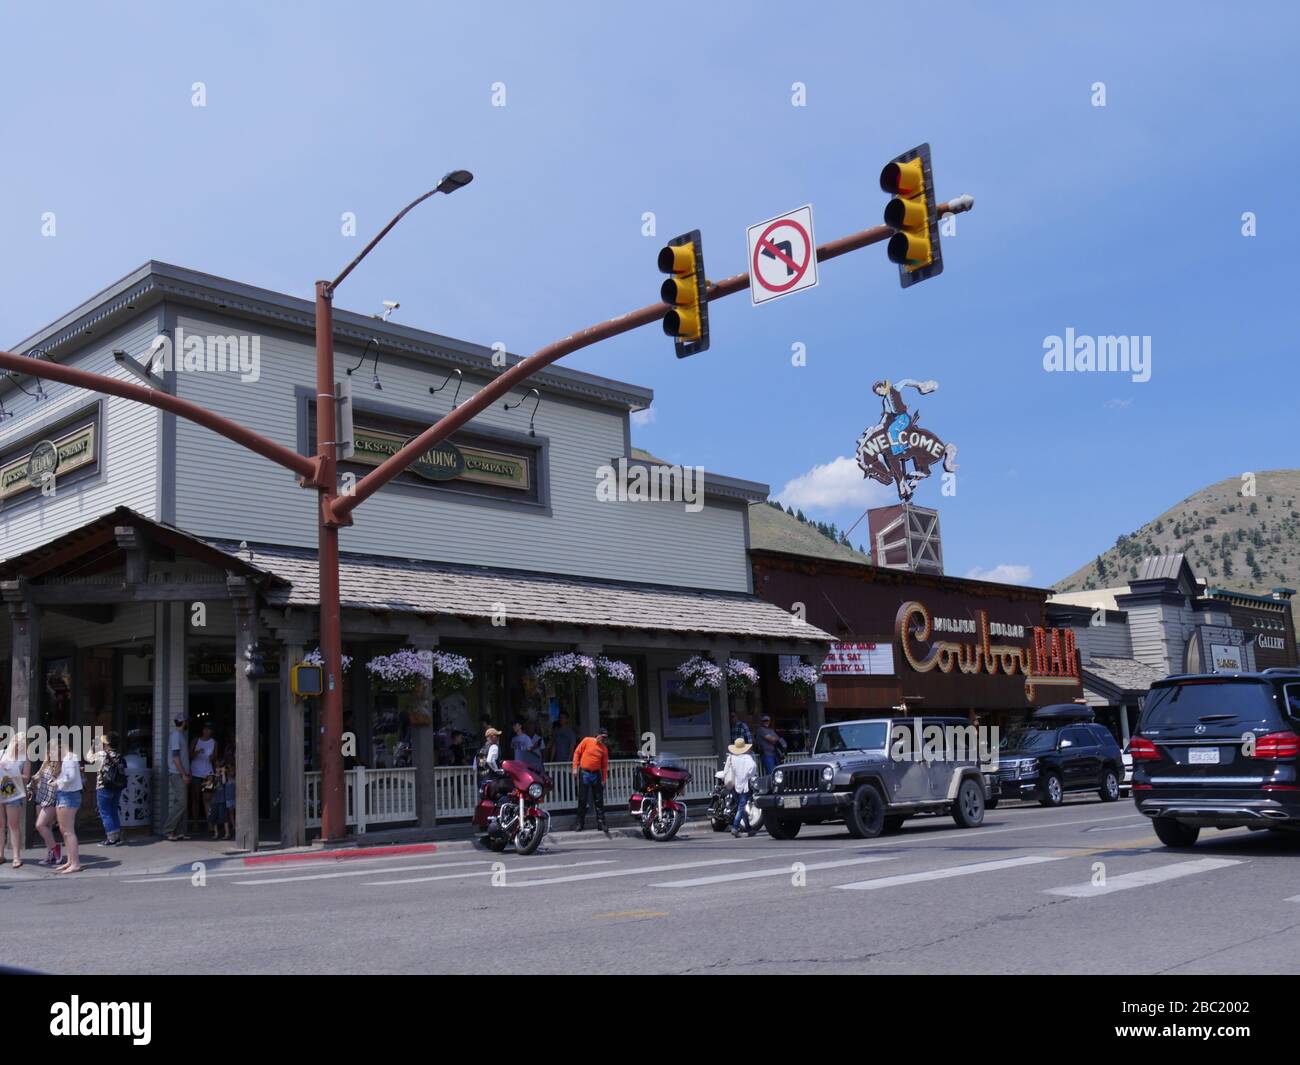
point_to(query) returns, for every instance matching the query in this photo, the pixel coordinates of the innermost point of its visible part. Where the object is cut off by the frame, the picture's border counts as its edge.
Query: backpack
(112, 774)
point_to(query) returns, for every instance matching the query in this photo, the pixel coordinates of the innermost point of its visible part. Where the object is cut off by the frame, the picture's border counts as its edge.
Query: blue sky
(1123, 219)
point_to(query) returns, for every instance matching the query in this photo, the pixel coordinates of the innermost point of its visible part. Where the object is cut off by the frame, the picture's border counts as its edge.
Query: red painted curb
(343, 855)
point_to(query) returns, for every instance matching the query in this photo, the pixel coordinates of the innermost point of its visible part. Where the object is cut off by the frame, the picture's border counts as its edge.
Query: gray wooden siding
(128, 461)
(223, 491)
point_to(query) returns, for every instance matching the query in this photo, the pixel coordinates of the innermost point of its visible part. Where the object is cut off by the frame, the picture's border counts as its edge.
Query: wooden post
(422, 746)
(293, 830)
(246, 812)
(589, 712)
(25, 663)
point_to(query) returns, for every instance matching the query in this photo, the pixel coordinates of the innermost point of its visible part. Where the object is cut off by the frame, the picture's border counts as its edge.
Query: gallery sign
(1043, 657)
(61, 456)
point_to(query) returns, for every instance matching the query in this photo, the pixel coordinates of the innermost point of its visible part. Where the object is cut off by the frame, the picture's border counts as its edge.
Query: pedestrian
(591, 766)
(488, 760)
(110, 782)
(14, 774)
(68, 802)
(203, 761)
(217, 810)
(737, 773)
(520, 743)
(739, 730)
(771, 747)
(563, 739)
(45, 793)
(228, 792)
(178, 780)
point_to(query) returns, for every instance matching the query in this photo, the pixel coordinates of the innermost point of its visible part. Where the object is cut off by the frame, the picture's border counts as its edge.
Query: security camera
(389, 307)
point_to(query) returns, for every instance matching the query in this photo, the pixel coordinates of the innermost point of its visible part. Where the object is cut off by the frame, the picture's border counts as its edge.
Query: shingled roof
(1123, 674)
(419, 587)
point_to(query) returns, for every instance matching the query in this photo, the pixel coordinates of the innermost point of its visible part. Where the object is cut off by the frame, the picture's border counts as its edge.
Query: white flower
(314, 659)
(799, 675)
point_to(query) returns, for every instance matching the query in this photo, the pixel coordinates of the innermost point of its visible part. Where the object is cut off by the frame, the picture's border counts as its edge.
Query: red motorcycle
(512, 813)
(657, 783)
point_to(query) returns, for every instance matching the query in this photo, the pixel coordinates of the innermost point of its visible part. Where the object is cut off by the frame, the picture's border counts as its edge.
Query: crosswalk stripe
(483, 872)
(1143, 878)
(785, 870)
(637, 870)
(945, 874)
(365, 865)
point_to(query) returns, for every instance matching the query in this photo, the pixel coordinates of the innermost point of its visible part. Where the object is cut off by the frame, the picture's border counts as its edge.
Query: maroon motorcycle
(657, 783)
(509, 810)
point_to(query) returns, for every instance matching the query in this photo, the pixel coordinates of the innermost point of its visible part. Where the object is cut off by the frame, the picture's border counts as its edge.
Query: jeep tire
(968, 810)
(781, 827)
(866, 813)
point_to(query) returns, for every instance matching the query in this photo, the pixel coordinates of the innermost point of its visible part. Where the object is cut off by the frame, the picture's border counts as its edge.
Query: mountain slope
(1250, 543)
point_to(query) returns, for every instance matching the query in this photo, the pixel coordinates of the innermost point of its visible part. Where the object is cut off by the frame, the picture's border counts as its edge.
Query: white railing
(389, 794)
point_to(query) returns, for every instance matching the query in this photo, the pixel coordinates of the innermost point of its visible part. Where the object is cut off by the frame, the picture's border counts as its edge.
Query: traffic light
(913, 216)
(687, 321)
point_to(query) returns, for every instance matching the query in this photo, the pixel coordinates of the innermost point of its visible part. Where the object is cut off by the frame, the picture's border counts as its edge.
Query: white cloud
(836, 484)
(644, 417)
(1003, 573)
(1118, 404)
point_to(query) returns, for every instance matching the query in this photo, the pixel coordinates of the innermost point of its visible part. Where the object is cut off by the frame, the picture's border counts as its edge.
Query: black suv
(1059, 751)
(1219, 751)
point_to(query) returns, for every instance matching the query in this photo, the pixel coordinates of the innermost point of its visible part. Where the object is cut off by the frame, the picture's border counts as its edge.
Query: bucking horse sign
(887, 447)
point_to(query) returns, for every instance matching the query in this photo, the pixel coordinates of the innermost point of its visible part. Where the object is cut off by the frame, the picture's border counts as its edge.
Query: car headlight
(828, 774)
(778, 777)
(534, 791)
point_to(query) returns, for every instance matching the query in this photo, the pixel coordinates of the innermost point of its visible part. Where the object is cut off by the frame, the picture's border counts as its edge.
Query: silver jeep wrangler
(875, 774)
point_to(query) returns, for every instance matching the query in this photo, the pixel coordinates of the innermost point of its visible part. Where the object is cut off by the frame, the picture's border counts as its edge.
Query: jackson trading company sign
(27, 472)
(1047, 658)
(886, 449)
(444, 461)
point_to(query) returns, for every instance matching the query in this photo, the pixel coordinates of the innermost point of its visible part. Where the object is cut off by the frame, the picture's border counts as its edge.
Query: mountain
(1246, 542)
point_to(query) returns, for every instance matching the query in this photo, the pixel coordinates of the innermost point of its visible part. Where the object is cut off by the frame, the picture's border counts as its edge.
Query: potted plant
(800, 677)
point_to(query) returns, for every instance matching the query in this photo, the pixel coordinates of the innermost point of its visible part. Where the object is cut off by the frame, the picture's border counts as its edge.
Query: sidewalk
(155, 856)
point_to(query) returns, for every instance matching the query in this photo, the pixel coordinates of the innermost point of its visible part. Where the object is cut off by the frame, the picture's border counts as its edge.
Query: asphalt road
(1021, 894)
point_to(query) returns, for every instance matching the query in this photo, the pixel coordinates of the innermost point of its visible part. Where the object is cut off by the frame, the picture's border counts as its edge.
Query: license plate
(792, 802)
(1204, 756)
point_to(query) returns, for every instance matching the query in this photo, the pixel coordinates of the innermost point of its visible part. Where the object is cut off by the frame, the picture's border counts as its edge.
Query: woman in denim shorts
(14, 772)
(68, 803)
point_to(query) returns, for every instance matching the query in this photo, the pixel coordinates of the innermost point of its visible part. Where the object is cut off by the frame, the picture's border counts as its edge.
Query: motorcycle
(722, 806)
(514, 814)
(656, 784)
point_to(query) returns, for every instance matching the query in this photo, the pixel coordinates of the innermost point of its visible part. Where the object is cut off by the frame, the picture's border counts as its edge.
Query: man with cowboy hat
(739, 771)
(590, 766)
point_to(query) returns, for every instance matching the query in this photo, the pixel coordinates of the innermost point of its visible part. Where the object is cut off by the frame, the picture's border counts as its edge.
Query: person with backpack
(109, 785)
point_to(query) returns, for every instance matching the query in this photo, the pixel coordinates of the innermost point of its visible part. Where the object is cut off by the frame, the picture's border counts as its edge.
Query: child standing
(217, 811)
(228, 788)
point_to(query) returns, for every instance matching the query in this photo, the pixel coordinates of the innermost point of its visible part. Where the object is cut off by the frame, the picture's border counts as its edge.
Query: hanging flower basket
(801, 678)
(700, 674)
(564, 666)
(451, 673)
(612, 674)
(315, 659)
(742, 678)
(403, 670)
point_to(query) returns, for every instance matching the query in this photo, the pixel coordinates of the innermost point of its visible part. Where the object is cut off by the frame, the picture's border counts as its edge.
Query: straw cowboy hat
(739, 747)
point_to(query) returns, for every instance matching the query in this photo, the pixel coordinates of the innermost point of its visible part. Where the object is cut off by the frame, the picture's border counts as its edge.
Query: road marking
(1143, 878)
(365, 872)
(630, 872)
(483, 872)
(945, 874)
(353, 870)
(785, 870)
(632, 913)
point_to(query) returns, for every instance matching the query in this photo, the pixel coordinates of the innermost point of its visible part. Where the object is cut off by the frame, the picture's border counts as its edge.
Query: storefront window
(618, 713)
(56, 693)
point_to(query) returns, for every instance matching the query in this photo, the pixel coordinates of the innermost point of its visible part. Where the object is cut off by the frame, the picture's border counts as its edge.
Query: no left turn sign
(782, 255)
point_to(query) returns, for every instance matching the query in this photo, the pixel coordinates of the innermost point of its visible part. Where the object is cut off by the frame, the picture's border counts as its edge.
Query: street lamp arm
(112, 386)
(378, 237)
(539, 360)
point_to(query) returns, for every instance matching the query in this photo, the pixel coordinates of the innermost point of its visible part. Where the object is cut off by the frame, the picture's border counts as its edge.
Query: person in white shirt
(67, 804)
(740, 770)
(203, 761)
(14, 773)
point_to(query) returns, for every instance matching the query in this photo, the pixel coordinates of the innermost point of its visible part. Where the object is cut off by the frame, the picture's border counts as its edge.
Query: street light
(325, 481)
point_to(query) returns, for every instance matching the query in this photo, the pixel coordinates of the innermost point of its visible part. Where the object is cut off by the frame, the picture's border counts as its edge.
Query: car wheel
(968, 810)
(1051, 792)
(866, 815)
(780, 828)
(894, 822)
(991, 803)
(1174, 833)
(1109, 786)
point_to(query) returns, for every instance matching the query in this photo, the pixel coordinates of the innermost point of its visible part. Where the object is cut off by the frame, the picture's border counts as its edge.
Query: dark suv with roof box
(1219, 751)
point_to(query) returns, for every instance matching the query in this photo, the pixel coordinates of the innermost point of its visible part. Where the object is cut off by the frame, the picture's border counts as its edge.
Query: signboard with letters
(60, 456)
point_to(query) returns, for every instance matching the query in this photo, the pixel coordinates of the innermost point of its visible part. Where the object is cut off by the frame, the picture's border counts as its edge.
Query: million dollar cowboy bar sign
(1045, 658)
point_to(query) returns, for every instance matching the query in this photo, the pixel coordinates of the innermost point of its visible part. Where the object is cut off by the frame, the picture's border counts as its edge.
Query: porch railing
(387, 796)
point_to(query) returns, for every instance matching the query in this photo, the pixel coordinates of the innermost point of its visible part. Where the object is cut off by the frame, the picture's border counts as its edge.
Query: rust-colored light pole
(321, 472)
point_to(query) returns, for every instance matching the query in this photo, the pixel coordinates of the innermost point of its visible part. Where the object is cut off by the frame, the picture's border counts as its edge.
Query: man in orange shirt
(591, 766)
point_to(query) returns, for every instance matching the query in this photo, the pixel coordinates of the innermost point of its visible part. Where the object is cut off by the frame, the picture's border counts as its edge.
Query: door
(1079, 761)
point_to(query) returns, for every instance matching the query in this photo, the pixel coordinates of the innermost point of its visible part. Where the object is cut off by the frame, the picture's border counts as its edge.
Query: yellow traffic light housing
(685, 292)
(307, 680)
(913, 216)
